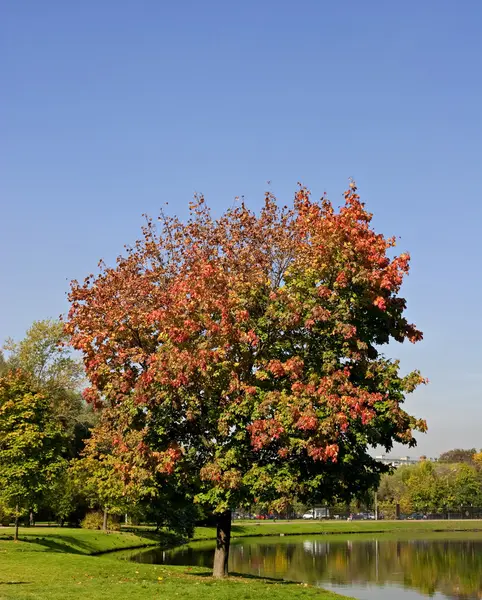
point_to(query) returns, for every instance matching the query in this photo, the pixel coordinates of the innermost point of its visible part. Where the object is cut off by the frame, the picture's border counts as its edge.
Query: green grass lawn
(27, 574)
(77, 541)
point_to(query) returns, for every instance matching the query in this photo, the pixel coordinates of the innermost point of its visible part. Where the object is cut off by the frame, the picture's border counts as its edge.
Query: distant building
(397, 462)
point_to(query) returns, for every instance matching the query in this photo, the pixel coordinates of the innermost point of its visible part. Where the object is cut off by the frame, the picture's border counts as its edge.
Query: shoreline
(296, 528)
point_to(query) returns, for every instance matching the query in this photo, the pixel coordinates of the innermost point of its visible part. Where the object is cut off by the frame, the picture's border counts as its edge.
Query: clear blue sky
(111, 108)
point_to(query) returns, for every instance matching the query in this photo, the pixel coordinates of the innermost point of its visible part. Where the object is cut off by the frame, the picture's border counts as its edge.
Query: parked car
(308, 515)
(362, 516)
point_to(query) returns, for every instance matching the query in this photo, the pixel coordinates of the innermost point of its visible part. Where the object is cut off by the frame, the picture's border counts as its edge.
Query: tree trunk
(16, 524)
(104, 524)
(223, 539)
(31, 520)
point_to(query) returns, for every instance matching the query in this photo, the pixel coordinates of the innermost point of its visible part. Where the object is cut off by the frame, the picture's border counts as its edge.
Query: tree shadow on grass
(58, 546)
(72, 545)
(60, 543)
(164, 538)
(15, 582)
(235, 575)
(263, 578)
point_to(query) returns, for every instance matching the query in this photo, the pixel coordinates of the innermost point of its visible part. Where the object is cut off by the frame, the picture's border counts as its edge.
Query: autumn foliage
(241, 355)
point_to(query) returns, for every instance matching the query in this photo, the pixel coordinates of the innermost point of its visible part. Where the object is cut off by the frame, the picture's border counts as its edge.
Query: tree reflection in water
(450, 566)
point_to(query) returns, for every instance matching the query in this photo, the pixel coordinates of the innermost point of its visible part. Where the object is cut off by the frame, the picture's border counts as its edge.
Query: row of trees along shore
(231, 362)
(434, 488)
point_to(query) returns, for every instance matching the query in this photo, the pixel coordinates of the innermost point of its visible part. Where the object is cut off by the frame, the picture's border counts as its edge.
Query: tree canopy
(32, 444)
(430, 487)
(48, 364)
(478, 460)
(458, 455)
(245, 351)
(45, 355)
(47, 358)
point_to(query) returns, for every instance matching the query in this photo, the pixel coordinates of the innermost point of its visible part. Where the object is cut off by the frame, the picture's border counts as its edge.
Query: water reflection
(452, 567)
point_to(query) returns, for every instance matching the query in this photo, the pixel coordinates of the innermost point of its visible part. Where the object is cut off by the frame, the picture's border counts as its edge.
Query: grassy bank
(266, 528)
(76, 541)
(89, 542)
(54, 564)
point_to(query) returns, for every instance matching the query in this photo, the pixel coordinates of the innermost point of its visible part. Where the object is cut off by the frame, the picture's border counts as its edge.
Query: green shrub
(95, 520)
(5, 515)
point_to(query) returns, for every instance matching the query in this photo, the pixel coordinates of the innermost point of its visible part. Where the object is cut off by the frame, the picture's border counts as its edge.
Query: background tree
(32, 444)
(467, 487)
(3, 363)
(64, 500)
(431, 487)
(393, 491)
(426, 491)
(43, 354)
(458, 455)
(96, 476)
(247, 350)
(115, 474)
(46, 357)
(477, 458)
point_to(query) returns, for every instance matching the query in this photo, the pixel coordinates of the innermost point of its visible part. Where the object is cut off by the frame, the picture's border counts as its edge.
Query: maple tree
(32, 444)
(241, 356)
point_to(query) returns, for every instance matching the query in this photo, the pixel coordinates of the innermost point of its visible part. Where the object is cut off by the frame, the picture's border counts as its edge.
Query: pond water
(369, 568)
